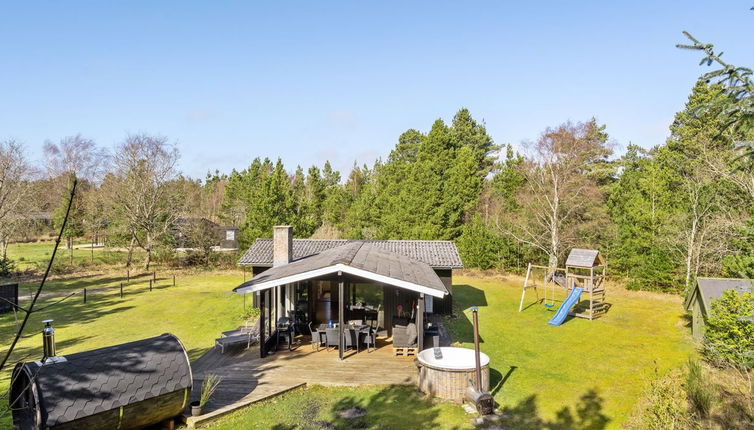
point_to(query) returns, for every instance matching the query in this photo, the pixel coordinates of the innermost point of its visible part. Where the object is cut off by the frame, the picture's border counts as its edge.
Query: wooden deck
(247, 379)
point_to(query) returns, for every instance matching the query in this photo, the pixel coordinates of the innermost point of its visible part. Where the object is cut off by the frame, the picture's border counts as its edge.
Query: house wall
(444, 306)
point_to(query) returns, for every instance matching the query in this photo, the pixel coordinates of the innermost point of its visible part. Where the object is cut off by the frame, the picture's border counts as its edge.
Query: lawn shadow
(498, 380)
(467, 296)
(391, 407)
(586, 414)
(464, 297)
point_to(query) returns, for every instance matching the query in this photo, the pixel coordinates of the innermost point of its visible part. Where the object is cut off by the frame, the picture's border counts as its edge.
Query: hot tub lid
(453, 358)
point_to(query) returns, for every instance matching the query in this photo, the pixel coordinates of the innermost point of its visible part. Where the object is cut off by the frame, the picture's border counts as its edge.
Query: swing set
(585, 270)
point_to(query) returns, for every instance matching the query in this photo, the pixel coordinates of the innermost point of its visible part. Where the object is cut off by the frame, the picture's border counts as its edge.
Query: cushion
(411, 333)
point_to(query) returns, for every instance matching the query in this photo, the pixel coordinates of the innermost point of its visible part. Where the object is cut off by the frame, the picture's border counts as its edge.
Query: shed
(125, 386)
(699, 300)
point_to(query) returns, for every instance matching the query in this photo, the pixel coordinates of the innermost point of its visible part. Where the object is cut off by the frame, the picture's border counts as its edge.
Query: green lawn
(35, 255)
(195, 310)
(388, 407)
(580, 375)
(599, 366)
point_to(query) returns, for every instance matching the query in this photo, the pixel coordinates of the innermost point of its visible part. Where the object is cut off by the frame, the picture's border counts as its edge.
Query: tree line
(662, 216)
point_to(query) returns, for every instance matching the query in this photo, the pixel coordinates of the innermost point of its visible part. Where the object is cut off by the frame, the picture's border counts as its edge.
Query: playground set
(584, 273)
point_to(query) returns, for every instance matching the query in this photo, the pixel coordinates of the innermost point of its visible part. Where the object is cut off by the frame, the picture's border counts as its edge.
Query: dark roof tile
(436, 253)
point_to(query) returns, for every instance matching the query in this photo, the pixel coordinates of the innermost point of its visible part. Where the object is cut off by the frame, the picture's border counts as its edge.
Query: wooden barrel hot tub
(448, 377)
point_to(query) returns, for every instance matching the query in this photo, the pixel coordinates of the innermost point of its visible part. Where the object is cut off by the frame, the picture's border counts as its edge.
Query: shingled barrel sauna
(125, 386)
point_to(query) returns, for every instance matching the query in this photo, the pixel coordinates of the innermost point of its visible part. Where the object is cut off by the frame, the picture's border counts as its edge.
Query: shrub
(728, 337)
(699, 389)
(663, 405)
(7, 266)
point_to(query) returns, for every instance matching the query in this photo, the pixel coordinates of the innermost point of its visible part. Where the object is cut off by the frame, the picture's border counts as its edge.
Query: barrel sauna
(127, 386)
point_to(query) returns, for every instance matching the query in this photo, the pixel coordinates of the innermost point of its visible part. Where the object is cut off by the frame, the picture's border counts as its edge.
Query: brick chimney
(282, 245)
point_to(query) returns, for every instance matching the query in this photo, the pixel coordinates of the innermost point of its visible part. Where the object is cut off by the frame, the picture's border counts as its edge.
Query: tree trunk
(130, 252)
(148, 259)
(690, 251)
(554, 231)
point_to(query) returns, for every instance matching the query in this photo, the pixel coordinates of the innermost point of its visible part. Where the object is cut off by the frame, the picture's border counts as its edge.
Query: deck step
(404, 352)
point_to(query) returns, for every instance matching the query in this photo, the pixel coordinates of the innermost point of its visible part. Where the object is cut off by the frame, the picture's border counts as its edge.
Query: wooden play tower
(585, 269)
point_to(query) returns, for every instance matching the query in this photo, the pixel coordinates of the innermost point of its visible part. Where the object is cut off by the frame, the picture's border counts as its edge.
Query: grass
(546, 373)
(391, 407)
(35, 255)
(195, 310)
(583, 374)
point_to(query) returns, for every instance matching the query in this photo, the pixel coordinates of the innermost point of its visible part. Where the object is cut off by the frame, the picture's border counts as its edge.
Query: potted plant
(209, 385)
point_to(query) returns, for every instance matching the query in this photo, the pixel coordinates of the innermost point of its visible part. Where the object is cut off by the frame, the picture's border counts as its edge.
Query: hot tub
(448, 377)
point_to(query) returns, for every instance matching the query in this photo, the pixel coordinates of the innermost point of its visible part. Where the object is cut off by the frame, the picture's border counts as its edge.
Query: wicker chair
(351, 338)
(405, 336)
(369, 337)
(332, 338)
(317, 337)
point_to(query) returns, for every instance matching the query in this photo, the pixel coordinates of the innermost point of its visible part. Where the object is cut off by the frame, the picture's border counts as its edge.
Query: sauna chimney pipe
(477, 358)
(483, 401)
(48, 340)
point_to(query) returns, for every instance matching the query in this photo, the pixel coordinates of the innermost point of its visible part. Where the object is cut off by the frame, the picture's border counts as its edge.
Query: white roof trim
(340, 267)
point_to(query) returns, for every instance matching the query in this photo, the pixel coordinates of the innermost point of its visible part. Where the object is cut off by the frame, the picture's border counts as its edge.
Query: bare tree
(15, 186)
(75, 155)
(74, 158)
(560, 195)
(143, 168)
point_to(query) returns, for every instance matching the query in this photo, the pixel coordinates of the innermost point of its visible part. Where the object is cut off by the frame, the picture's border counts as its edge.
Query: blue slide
(570, 301)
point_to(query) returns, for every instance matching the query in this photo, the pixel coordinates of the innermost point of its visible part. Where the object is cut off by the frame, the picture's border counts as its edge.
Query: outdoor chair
(369, 337)
(332, 338)
(284, 331)
(351, 338)
(317, 337)
(405, 336)
(235, 340)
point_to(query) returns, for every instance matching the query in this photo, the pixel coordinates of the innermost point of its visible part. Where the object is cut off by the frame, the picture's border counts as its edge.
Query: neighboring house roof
(709, 289)
(583, 258)
(440, 254)
(100, 380)
(363, 259)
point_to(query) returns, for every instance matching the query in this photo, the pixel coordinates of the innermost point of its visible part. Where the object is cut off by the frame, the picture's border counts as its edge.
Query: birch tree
(143, 167)
(559, 195)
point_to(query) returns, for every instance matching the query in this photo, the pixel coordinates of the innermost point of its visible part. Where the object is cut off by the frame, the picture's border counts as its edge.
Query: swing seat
(548, 305)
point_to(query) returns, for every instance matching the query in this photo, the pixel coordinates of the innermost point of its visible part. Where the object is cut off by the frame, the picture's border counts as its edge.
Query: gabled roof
(709, 289)
(583, 258)
(357, 258)
(440, 254)
(87, 383)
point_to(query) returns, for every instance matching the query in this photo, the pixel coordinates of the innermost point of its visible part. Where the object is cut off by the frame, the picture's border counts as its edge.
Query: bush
(663, 405)
(728, 338)
(7, 266)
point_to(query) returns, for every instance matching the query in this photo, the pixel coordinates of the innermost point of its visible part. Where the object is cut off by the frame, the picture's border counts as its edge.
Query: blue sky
(310, 81)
